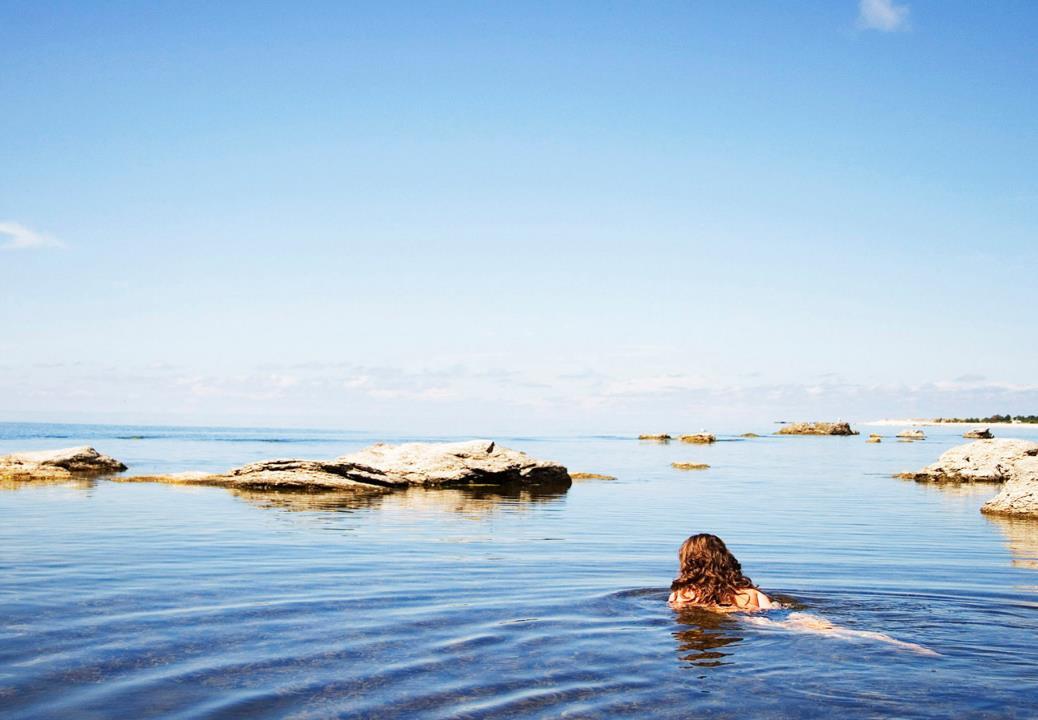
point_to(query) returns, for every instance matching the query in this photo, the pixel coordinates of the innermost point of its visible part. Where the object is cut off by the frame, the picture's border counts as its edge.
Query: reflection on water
(465, 501)
(704, 641)
(1021, 537)
(72, 483)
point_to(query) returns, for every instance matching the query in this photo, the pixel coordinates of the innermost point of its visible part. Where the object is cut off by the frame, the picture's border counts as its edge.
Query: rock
(590, 476)
(874, 439)
(58, 464)
(978, 434)
(657, 438)
(689, 466)
(380, 468)
(448, 464)
(912, 435)
(1019, 496)
(817, 428)
(980, 461)
(702, 438)
(749, 435)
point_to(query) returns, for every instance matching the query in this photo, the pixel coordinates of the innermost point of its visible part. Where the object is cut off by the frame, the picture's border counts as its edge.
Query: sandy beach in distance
(922, 421)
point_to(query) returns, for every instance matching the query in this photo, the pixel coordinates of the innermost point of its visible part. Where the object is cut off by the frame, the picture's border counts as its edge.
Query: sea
(142, 600)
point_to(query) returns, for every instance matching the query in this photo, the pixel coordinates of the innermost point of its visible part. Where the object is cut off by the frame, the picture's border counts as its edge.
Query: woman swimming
(710, 577)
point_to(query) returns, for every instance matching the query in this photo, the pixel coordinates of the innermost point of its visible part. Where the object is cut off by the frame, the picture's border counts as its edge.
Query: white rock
(1019, 496)
(980, 461)
(51, 464)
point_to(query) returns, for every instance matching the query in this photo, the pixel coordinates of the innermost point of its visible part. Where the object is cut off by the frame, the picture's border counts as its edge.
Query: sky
(475, 218)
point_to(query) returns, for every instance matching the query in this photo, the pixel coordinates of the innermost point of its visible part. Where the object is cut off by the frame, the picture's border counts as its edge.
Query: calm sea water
(141, 601)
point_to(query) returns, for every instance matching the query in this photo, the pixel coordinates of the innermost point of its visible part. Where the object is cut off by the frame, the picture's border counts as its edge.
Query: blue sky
(558, 217)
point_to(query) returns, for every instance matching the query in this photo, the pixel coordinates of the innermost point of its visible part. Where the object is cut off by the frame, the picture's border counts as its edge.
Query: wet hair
(706, 565)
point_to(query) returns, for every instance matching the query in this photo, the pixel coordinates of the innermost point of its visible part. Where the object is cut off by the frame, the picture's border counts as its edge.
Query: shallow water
(140, 600)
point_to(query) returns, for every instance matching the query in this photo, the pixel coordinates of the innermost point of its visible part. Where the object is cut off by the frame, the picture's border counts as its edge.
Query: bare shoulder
(753, 599)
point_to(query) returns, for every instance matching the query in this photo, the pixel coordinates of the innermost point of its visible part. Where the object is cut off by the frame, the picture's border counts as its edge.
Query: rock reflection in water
(477, 500)
(71, 483)
(1021, 537)
(702, 643)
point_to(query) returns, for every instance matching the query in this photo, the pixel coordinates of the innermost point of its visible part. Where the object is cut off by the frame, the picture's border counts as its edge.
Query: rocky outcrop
(912, 435)
(817, 428)
(701, 438)
(980, 461)
(1019, 496)
(58, 464)
(982, 433)
(689, 466)
(590, 476)
(381, 468)
(658, 438)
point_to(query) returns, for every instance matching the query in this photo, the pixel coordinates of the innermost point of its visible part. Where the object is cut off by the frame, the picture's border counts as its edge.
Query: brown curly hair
(706, 565)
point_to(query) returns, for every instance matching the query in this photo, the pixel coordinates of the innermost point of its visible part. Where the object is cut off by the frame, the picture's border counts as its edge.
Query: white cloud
(15, 236)
(883, 15)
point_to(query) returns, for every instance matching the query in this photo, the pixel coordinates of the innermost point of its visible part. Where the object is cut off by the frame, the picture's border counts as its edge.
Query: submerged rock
(1019, 496)
(590, 476)
(689, 466)
(982, 433)
(980, 461)
(701, 438)
(912, 435)
(658, 438)
(58, 464)
(874, 439)
(817, 428)
(380, 468)
(749, 435)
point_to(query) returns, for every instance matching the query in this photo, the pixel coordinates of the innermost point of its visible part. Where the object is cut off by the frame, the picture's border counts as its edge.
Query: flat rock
(663, 437)
(1019, 496)
(689, 466)
(380, 468)
(749, 435)
(476, 462)
(703, 438)
(982, 433)
(58, 464)
(590, 476)
(980, 461)
(817, 428)
(912, 435)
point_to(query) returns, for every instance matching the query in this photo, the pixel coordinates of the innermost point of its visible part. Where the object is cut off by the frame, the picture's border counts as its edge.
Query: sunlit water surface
(140, 600)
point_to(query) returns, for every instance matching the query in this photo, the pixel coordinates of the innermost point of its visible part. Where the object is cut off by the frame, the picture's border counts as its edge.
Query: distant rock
(590, 476)
(817, 428)
(980, 461)
(689, 466)
(380, 468)
(657, 438)
(749, 435)
(982, 433)
(702, 438)
(1019, 496)
(912, 435)
(58, 464)
(874, 439)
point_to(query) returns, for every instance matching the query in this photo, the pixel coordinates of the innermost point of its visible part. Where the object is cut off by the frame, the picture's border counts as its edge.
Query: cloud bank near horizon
(460, 400)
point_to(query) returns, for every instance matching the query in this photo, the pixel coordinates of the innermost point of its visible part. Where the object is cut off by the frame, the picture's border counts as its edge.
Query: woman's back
(743, 599)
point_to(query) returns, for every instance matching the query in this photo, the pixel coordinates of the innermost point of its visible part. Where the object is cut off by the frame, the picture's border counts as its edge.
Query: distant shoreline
(922, 421)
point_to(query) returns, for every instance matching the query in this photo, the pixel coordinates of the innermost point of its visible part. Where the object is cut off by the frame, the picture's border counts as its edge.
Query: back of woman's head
(706, 565)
